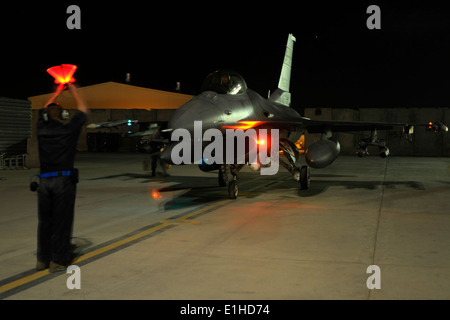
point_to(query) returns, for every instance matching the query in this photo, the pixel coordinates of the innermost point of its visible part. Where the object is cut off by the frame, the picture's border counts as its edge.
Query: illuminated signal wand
(63, 75)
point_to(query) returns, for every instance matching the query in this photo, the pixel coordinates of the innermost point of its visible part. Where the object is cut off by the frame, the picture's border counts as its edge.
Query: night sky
(338, 61)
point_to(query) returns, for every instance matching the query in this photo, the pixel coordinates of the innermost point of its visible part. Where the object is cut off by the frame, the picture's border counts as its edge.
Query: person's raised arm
(53, 97)
(81, 105)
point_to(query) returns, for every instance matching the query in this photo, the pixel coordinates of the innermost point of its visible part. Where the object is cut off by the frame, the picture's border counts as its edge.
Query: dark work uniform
(57, 189)
(156, 157)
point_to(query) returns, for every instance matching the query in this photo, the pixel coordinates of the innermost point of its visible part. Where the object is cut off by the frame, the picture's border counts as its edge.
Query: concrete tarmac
(179, 237)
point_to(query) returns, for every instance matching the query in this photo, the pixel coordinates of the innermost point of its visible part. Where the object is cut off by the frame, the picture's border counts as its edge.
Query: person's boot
(56, 267)
(41, 265)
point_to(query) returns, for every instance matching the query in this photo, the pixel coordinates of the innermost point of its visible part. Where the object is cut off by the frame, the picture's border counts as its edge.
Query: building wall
(15, 125)
(424, 143)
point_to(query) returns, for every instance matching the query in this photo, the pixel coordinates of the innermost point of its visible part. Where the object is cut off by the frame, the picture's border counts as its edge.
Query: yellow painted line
(112, 246)
(24, 280)
(119, 243)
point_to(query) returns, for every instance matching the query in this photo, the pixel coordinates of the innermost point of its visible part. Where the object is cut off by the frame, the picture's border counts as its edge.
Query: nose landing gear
(233, 189)
(232, 185)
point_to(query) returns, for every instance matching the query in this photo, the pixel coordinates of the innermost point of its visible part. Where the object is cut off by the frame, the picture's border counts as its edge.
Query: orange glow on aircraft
(244, 125)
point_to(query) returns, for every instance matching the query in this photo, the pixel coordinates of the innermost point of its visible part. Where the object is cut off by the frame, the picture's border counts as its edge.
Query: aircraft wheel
(233, 189)
(304, 178)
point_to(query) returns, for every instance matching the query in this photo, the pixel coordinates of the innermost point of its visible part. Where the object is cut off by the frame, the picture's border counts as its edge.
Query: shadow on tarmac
(318, 187)
(201, 189)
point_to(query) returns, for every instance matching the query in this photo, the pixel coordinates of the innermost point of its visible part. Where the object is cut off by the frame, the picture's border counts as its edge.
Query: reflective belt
(55, 174)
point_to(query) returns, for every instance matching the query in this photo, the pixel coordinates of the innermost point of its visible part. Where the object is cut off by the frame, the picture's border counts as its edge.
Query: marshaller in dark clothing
(58, 178)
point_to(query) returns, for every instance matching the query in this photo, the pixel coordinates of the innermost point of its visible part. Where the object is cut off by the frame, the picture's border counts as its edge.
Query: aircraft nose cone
(196, 110)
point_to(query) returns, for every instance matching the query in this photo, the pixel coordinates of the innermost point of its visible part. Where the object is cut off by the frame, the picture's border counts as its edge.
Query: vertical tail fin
(282, 94)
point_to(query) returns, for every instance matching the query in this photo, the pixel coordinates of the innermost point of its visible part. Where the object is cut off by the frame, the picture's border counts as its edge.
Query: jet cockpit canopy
(224, 82)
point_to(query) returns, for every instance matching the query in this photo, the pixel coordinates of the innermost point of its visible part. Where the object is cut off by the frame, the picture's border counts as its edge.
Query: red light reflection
(156, 194)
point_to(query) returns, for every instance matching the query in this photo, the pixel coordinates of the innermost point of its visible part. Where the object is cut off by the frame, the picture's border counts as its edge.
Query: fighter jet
(226, 102)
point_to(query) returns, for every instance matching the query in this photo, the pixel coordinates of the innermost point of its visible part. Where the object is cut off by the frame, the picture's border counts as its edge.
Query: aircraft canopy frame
(224, 82)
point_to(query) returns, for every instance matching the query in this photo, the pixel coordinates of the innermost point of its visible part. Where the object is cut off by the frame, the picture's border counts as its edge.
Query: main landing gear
(305, 181)
(300, 174)
(291, 154)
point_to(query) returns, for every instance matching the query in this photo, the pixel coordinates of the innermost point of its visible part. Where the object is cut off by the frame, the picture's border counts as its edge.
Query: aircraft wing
(318, 126)
(321, 126)
(110, 124)
(143, 133)
(322, 153)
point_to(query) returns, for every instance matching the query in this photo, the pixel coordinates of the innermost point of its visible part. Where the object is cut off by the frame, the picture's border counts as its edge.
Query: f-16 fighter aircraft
(227, 104)
(204, 130)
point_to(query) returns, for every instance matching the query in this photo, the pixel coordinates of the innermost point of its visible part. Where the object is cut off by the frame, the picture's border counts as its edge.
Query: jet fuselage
(222, 110)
